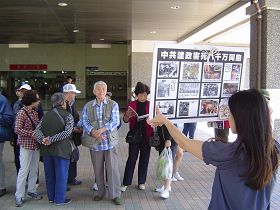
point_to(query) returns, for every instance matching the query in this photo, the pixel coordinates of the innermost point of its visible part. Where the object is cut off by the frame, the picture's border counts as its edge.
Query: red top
(24, 128)
(226, 124)
(133, 120)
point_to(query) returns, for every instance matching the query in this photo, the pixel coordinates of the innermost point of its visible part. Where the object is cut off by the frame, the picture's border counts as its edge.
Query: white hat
(25, 86)
(70, 88)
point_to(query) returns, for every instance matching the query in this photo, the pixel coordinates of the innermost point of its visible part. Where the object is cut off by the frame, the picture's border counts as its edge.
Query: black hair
(29, 97)
(141, 88)
(253, 126)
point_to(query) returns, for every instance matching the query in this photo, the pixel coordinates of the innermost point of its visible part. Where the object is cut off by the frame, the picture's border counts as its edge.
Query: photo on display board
(187, 108)
(209, 107)
(168, 68)
(210, 90)
(190, 71)
(212, 72)
(167, 108)
(232, 72)
(224, 109)
(229, 89)
(166, 88)
(189, 90)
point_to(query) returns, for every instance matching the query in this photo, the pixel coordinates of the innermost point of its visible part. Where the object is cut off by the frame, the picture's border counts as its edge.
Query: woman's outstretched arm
(190, 145)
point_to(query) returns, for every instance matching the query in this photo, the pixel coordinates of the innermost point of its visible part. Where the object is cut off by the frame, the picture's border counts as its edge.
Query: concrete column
(270, 50)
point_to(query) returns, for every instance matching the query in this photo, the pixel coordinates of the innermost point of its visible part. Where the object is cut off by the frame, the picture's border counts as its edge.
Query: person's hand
(77, 130)
(97, 133)
(100, 138)
(158, 120)
(167, 143)
(130, 113)
(46, 141)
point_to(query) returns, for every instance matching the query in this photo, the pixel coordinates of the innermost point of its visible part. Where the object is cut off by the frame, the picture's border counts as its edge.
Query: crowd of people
(245, 168)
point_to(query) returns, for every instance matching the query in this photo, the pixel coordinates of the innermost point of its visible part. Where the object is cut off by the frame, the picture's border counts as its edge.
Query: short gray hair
(57, 99)
(99, 83)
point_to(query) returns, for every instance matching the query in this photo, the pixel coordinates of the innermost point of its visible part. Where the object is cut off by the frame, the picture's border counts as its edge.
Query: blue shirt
(6, 113)
(110, 126)
(229, 190)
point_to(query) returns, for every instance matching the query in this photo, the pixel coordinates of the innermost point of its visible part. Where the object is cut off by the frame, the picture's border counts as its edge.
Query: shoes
(173, 179)
(141, 187)
(161, 189)
(123, 188)
(35, 196)
(67, 201)
(94, 187)
(118, 201)
(164, 194)
(178, 177)
(3, 192)
(51, 201)
(97, 198)
(75, 182)
(18, 202)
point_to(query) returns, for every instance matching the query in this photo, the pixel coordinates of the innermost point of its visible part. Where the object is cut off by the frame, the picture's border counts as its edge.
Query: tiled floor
(193, 193)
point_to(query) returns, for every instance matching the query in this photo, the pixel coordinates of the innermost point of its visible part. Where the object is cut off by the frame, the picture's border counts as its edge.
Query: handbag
(77, 138)
(75, 154)
(134, 136)
(155, 140)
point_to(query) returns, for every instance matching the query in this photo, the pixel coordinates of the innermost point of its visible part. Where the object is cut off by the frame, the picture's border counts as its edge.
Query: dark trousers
(56, 172)
(189, 128)
(72, 173)
(144, 158)
(16, 156)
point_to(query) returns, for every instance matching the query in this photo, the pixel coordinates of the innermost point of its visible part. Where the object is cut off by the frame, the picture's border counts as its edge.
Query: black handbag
(77, 138)
(155, 139)
(75, 154)
(134, 136)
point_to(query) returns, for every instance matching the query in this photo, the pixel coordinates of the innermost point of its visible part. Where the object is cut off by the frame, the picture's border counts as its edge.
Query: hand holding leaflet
(132, 113)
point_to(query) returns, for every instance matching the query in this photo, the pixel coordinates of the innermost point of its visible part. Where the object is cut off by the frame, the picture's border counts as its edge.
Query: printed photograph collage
(196, 88)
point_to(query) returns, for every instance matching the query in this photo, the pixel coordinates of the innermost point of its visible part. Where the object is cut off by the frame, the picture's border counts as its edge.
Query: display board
(193, 83)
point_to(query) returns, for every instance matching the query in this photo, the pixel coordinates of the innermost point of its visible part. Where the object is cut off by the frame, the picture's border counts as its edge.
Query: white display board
(191, 83)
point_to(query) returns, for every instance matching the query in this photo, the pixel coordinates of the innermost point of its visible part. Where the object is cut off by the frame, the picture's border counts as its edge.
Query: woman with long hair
(245, 168)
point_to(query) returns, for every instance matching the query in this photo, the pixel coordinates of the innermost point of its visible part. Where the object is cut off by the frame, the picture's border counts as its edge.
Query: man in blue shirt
(6, 122)
(100, 120)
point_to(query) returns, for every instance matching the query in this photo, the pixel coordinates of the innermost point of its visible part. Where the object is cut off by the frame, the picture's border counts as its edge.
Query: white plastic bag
(164, 165)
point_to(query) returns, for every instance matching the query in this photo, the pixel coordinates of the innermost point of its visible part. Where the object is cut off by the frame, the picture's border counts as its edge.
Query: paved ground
(193, 193)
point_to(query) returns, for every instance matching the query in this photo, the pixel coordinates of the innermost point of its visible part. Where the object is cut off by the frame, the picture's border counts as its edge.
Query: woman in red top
(141, 107)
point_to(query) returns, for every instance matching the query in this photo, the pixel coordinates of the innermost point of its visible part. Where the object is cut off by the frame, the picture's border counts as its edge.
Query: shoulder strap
(33, 124)
(59, 116)
(63, 122)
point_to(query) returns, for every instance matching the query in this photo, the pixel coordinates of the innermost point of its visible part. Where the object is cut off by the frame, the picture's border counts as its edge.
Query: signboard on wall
(193, 83)
(25, 67)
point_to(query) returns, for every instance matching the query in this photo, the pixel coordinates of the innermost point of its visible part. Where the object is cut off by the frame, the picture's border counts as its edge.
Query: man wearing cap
(70, 92)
